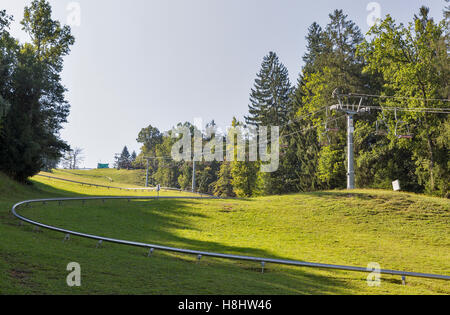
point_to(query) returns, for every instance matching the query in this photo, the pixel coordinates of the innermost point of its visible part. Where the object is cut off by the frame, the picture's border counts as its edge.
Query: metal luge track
(199, 254)
(109, 187)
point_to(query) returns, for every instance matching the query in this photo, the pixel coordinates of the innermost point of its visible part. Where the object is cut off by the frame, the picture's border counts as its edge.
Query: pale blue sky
(160, 62)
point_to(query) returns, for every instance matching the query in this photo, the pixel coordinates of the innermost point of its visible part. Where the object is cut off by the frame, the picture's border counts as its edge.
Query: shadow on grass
(344, 195)
(157, 221)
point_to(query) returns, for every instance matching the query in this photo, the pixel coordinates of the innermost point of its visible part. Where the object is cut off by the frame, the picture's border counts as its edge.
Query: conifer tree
(124, 159)
(224, 187)
(269, 99)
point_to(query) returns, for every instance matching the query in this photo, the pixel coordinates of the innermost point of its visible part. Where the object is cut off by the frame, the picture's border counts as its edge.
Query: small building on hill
(102, 166)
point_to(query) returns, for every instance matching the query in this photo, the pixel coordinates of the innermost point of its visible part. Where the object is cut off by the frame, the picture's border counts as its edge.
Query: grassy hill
(111, 177)
(397, 230)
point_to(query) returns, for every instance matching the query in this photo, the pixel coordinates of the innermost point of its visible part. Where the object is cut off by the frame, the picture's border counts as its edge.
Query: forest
(399, 71)
(33, 107)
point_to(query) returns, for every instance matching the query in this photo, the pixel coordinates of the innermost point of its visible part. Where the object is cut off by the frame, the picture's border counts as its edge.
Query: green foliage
(331, 167)
(271, 105)
(380, 161)
(245, 178)
(395, 60)
(270, 96)
(4, 108)
(206, 179)
(328, 227)
(30, 83)
(224, 186)
(413, 62)
(331, 63)
(185, 178)
(124, 160)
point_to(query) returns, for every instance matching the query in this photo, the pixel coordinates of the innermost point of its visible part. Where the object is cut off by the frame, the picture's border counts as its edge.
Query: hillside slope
(111, 177)
(397, 230)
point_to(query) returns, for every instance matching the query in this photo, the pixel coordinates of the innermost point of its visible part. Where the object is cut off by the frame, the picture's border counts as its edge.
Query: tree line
(32, 102)
(394, 66)
(125, 160)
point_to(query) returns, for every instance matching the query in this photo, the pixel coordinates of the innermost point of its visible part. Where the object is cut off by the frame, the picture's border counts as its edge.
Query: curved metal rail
(93, 185)
(199, 254)
(121, 188)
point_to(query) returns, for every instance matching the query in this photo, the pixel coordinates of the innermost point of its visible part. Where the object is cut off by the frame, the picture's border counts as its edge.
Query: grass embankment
(108, 177)
(397, 230)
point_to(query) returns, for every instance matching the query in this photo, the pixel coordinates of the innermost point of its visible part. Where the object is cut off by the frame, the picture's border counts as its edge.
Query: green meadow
(399, 231)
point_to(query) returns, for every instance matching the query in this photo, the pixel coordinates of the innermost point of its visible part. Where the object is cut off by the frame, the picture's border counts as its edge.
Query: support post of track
(350, 153)
(146, 176)
(350, 111)
(66, 238)
(193, 175)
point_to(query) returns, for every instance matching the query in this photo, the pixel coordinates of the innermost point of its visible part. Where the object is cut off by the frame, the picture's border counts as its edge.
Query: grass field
(108, 177)
(397, 230)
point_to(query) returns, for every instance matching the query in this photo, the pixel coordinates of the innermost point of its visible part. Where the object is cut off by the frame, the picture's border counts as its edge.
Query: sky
(159, 62)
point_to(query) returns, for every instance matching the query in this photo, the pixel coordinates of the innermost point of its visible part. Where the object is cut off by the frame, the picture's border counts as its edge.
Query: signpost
(146, 176)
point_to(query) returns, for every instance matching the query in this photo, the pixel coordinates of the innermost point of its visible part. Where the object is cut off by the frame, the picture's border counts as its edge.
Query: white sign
(396, 185)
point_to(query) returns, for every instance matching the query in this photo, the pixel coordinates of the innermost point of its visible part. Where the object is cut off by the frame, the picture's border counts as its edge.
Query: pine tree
(270, 96)
(124, 159)
(316, 48)
(224, 187)
(271, 106)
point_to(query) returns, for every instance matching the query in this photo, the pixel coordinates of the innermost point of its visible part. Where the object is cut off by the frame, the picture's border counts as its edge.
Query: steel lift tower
(350, 111)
